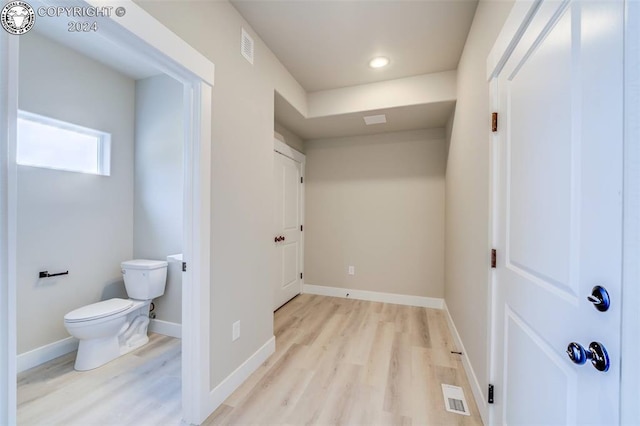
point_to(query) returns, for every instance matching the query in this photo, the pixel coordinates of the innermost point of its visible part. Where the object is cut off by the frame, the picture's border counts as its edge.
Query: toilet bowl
(109, 329)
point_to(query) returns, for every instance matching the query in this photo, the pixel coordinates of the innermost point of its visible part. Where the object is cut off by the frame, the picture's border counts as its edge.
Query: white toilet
(114, 327)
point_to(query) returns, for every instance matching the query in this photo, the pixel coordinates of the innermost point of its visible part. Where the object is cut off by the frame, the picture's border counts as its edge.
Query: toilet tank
(144, 279)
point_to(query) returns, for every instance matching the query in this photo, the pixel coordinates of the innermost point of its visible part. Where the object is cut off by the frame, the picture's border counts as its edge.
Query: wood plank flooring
(342, 361)
(140, 388)
(337, 361)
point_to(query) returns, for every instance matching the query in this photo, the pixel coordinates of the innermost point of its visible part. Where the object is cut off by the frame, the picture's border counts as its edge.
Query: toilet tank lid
(98, 310)
(144, 264)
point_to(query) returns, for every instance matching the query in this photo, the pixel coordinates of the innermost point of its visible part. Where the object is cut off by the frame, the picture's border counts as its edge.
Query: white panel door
(287, 239)
(558, 216)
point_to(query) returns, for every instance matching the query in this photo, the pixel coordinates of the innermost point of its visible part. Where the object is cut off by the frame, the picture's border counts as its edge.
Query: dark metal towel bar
(46, 274)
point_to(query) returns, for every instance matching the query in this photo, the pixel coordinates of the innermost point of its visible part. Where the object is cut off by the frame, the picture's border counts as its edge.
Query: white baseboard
(45, 353)
(374, 296)
(471, 375)
(166, 328)
(53, 350)
(235, 379)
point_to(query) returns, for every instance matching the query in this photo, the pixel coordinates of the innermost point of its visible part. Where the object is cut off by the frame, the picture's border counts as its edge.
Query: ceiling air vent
(375, 119)
(246, 46)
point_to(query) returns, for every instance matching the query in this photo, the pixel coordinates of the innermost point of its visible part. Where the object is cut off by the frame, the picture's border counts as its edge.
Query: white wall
(467, 190)
(72, 221)
(158, 182)
(290, 138)
(242, 174)
(416, 90)
(377, 203)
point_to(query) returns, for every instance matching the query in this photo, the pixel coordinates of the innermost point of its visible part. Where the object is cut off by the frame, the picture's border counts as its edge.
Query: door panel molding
(515, 323)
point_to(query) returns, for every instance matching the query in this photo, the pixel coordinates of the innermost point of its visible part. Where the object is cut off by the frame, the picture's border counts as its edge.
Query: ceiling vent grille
(246, 46)
(375, 119)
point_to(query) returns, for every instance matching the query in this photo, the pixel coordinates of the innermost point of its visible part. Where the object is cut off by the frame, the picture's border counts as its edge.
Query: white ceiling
(327, 44)
(420, 36)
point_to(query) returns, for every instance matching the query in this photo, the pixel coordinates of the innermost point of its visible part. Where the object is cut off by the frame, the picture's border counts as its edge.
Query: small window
(54, 144)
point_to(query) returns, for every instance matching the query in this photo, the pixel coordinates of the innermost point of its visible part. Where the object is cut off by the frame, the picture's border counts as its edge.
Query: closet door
(287, 239)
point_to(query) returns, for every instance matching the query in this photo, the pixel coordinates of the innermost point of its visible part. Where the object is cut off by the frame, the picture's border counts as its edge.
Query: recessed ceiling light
(379, 62)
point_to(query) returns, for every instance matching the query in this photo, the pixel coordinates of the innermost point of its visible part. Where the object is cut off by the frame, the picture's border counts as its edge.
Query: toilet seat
(98, 310)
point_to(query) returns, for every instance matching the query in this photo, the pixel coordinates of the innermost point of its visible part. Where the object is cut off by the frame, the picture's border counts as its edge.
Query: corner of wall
(467, 197)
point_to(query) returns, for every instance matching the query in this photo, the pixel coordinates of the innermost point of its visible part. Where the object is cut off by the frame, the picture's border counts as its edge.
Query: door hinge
(494, 121)
(494, 256)
(301, 228)
(184, 266)
(490, 395)
(301, 179)
(300, 275)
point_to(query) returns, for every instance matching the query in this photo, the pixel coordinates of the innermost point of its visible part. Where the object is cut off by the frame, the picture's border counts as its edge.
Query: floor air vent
(454, 400)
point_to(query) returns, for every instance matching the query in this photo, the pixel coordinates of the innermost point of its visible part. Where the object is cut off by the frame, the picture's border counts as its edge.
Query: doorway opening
(140, 39)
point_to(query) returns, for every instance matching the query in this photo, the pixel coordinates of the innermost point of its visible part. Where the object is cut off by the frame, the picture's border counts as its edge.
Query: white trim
(493, 322)
(46, 353)
(138, 32)
(287, 151)
(630, 377)
(8, 214)
(476, 389)
(196, 281)
(240, 374)
(146, 33)
(516, 23)
(375, 296)
(166, 328)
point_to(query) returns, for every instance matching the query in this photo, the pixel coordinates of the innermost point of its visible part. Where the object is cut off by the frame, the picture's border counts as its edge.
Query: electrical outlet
(235, 332)
(352, 270)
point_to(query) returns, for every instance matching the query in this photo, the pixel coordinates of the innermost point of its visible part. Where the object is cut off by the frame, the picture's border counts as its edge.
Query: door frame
(284, 149)
(8, 202)
(511, 33)
(630, 380)
(139, 32)
(508, 38)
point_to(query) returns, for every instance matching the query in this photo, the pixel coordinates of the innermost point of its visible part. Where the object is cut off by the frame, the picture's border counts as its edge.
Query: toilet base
(94, 353)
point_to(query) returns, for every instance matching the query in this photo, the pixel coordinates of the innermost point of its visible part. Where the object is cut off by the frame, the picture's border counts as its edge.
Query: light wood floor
(342, 361)
(337, 361)
(140, 388)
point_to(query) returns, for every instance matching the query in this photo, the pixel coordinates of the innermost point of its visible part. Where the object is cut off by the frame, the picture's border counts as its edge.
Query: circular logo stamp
(17, 17)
